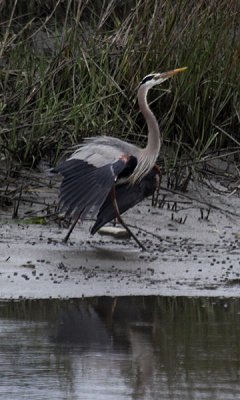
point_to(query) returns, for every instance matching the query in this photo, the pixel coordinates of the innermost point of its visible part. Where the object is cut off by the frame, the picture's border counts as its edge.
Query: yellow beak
(168, 74)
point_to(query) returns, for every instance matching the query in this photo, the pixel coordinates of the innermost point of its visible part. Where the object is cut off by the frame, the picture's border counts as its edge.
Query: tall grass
(70, 69)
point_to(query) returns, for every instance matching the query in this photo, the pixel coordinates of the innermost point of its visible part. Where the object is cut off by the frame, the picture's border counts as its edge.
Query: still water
(121, 348)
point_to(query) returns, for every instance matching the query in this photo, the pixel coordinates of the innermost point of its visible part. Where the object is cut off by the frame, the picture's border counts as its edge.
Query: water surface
(120, 348)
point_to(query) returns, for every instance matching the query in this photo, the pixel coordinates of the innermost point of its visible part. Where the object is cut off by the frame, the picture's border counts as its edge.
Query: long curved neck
(154, 137)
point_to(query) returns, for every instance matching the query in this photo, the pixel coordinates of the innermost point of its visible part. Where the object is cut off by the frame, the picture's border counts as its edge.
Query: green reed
(70, 69)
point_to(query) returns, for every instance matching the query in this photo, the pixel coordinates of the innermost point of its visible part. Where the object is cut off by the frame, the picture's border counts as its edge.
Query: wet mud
(193, 243)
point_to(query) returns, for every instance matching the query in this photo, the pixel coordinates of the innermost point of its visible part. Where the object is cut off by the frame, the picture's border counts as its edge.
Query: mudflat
(193, 242)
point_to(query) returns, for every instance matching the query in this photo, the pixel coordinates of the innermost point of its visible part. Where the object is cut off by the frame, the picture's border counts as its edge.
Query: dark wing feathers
(127, 196)
(85, 187)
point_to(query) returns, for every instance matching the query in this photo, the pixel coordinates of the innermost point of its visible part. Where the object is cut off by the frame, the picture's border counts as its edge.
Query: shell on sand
(114, 231)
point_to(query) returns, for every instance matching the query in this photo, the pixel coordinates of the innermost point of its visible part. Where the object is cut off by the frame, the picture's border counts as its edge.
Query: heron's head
(156, 79)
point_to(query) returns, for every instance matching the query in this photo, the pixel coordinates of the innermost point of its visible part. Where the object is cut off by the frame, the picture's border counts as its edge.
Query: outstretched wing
(103, 150)
(127, 197)
(85, 186)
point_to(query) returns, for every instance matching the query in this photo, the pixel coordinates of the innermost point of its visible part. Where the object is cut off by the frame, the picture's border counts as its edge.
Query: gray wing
(104, 150)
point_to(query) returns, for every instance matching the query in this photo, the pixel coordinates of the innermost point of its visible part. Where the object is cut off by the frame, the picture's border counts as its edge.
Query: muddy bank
(193, 243)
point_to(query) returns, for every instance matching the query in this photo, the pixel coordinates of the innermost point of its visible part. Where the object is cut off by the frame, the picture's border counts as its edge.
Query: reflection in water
(122, 348)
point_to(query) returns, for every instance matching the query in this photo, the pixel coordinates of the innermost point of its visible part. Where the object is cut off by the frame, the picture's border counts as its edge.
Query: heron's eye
(147, 78)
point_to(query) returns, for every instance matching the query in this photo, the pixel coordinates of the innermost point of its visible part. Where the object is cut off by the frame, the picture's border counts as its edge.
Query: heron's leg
(115, 205)
(72, 227)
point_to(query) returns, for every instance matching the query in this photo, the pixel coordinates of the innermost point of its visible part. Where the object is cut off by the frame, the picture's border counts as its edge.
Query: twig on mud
(202, 214)
(17, 204)
(209, 205)
(162, 202)
(33, 201)
(149, 233)
(39, 213)
(25, 200)
(180, 220)
(174, 206)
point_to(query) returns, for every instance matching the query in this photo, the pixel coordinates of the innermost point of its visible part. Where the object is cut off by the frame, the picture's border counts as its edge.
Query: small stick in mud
(207, 213)
(180, 220)
(162, 203)
(17, 203)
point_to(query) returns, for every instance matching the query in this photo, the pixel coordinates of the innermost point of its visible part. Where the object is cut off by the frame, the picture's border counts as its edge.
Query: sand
(191, 251)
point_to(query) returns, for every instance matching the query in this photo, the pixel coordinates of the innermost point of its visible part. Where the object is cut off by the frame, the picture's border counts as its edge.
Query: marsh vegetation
(70, 69)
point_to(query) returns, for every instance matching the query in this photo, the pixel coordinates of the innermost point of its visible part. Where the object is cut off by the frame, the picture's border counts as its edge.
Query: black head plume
(147, 78)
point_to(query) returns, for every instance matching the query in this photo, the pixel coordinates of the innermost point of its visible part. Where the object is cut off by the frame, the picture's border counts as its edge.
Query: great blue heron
(106, 176)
